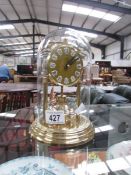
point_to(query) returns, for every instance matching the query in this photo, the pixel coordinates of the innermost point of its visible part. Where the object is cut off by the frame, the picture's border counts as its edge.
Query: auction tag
(54, 117)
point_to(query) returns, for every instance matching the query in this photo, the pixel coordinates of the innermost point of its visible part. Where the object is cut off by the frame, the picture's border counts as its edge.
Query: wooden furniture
(14, 133)
(7, 87)
(25, 78)
(94, 71)
(96, 80)
(105, 70)
(107, 77)
(15, 100)
(119, 77)
(104, 67)
(15, 96)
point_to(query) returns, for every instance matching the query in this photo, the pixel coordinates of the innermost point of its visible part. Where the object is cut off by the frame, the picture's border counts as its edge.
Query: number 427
(54, 118)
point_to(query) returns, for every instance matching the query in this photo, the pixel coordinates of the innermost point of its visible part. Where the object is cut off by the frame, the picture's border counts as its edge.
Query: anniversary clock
(63, 71)
(65, 65)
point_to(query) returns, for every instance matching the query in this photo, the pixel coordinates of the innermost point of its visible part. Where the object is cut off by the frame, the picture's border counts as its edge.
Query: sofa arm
(123, 90)
(111, 98)
(91, 95)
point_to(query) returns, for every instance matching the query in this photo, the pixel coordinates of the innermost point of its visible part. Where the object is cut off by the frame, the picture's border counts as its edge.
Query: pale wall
(113, 54)
(12, 62)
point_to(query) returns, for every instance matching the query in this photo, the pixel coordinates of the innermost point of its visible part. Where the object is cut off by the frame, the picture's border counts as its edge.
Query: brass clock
(65, 65)
(63, 57)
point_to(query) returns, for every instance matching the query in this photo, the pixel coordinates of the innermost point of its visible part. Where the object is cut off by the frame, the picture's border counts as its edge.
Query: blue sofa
(99, 96)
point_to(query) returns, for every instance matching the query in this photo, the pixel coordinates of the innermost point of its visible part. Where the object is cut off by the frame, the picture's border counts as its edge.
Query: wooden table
(106, 77)
(16, 95)
(10, 87)
(25, 78)
(96, 80)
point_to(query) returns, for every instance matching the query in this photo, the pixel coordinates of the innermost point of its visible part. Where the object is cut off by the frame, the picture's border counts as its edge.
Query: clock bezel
(64, 58)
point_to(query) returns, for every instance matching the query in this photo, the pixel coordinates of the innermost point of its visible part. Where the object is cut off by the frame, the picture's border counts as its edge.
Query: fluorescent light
(90, 35)
(74, 8)
(91, 111)
(28, 54)
(11, 44)
(106, 128)
(97, 14)
(69, 8)
(8, 115)
(17, 126)
(22, 49)
(30, 51)
(103, 128)
(111, 17)
(7, 26)
(97, 130)
(117, 164)
(83, 10)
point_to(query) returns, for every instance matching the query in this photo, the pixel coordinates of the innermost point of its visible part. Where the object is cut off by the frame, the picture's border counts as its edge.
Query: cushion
(111, 98)
(91, 95)
(85, 95)
(120, 90)
(96, 95)
(123, 90)
(127, 93)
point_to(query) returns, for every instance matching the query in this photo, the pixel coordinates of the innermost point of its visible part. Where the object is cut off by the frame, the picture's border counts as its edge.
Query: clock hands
(70, 62)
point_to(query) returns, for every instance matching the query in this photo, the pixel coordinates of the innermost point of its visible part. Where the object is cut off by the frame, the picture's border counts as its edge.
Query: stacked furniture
(119, 77)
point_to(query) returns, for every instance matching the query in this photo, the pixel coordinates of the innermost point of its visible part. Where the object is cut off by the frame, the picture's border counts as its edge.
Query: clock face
(65, 65)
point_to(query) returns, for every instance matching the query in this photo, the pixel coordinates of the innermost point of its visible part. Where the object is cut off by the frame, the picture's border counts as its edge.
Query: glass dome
(64, 59)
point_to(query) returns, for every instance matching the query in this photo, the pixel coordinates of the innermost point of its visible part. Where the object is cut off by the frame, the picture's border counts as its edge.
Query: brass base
(66, 136)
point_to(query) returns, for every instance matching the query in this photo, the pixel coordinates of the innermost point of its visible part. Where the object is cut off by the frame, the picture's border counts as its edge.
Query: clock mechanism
(62, 59)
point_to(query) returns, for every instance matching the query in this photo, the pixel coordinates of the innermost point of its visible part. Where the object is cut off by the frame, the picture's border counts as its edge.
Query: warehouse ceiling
(33, 19)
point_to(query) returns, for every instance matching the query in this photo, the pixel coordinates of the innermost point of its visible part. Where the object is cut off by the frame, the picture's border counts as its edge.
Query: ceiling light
(17, 126)
(97, 14)
(22, 49)
(30, 54)
(103, 128)
(11, 44)
(97, 130)
(7, 26)
(74, 8)
(106, 128)
(111, 17)
(9, 115)
(69, 8)
(91, 111)
(22, 52)
(90, 35)
(83, 10)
